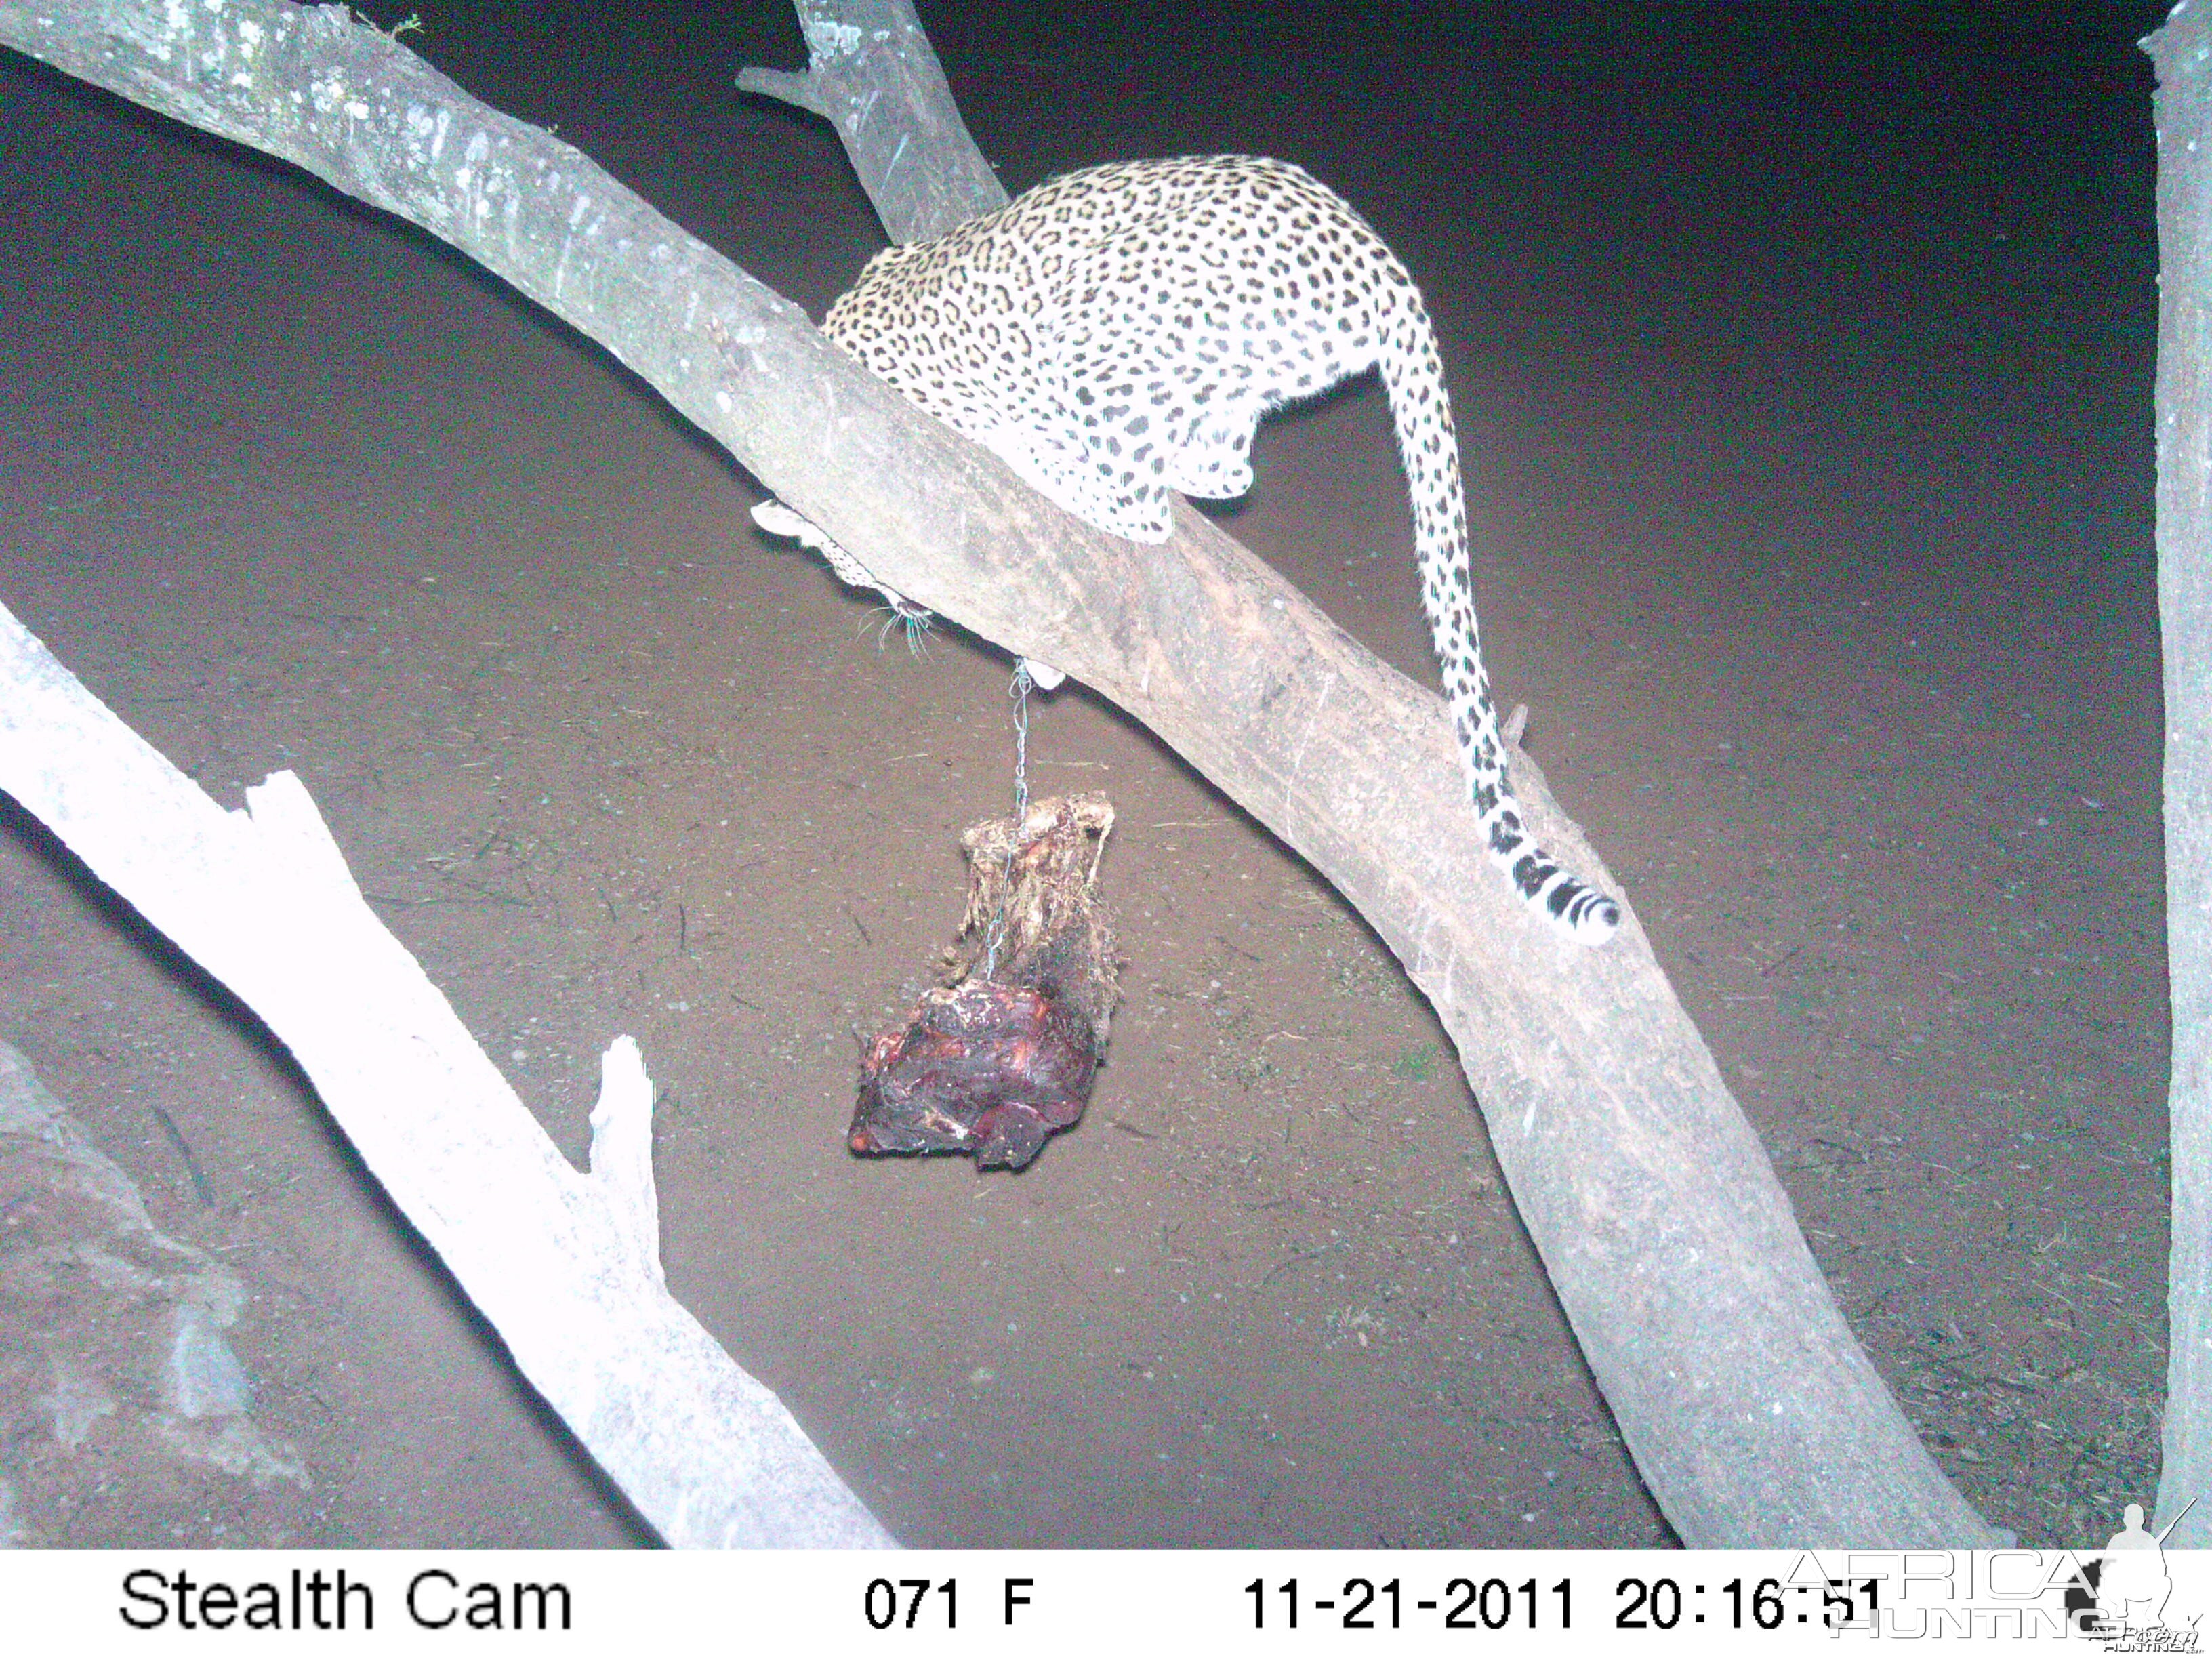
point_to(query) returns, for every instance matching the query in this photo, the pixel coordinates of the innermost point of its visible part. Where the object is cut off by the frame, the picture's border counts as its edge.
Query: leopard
(1117, 334)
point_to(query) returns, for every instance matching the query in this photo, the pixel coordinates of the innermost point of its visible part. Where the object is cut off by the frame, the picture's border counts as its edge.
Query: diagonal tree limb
(1753, 1413)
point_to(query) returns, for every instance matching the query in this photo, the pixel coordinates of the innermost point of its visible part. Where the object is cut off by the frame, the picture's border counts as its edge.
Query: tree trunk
(1753, 1413)
(2183, 111)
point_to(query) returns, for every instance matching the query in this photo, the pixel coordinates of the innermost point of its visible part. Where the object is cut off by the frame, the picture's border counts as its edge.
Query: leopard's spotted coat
(1118, 333)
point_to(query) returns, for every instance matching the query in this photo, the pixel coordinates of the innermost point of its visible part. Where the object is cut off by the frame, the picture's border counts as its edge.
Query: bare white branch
(567, 1267)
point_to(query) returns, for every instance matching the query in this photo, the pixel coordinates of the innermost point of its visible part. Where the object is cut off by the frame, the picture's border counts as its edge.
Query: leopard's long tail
(1413, 375)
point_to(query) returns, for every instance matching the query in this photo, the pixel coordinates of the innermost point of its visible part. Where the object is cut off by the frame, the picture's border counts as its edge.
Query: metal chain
(1019, 691)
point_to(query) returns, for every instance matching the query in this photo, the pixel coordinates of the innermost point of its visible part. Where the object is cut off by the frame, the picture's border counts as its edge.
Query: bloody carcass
(1002, 1055)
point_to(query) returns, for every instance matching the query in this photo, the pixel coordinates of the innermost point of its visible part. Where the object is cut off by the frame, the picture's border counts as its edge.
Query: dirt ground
(1804, 385)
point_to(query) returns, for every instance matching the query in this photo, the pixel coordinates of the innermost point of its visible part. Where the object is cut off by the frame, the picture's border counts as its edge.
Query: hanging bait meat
(1002, 1055)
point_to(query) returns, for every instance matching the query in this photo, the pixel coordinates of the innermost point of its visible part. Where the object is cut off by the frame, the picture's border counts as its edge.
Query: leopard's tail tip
(1590, 917)
(1584, 913)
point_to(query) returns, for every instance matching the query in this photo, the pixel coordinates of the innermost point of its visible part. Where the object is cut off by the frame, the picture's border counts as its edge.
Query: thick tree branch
(871, 75)
(1753, 1413)
(2183, 108)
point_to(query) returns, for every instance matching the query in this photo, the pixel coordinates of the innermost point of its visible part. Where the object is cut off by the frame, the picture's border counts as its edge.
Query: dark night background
(1802, 360)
